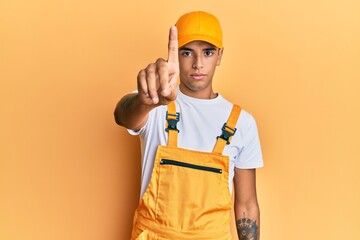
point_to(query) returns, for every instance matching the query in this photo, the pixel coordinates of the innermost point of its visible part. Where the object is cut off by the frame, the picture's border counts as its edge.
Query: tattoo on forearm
(247, 229)
(127, 102)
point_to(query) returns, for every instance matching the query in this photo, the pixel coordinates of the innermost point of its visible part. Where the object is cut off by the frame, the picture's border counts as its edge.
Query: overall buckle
(172, 120)
(227, 132)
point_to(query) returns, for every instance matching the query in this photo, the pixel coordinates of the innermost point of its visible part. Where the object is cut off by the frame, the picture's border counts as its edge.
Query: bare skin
(156, 86)
(198, 61)
(246, 207)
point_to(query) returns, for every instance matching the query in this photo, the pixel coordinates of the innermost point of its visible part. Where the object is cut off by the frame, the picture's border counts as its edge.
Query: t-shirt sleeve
(141, 131)
(151, 122)
(250, 155)
(135, 132)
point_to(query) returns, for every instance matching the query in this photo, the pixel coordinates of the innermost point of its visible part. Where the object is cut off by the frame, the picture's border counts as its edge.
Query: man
(195, 143)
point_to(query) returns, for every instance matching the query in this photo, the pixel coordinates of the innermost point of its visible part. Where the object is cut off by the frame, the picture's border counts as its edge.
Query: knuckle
(150, 68)
(141, 75)
(160, 60)
(150, 71)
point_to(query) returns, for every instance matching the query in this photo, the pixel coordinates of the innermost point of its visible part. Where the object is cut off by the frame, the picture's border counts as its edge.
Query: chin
(196, 87)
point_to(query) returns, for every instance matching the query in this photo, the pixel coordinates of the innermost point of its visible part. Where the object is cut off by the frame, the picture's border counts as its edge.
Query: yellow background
(68, 172)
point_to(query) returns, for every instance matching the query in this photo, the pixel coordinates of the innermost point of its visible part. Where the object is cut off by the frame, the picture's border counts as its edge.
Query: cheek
(184, 64)
(214, 63)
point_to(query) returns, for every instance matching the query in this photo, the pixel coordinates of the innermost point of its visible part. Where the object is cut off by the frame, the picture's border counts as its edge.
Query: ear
(221, 51)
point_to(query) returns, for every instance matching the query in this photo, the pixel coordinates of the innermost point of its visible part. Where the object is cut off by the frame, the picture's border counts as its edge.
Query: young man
(195, 143)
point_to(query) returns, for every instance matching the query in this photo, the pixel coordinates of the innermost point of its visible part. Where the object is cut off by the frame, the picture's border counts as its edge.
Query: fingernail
(147, 95)
(155, 100)
(165, 91)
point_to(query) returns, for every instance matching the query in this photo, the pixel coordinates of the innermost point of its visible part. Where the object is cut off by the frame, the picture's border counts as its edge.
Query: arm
(156, 86)
(131, 112)
(247, 213)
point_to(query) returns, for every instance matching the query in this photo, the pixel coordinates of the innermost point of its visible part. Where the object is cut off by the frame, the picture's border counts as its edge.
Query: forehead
(198, 45)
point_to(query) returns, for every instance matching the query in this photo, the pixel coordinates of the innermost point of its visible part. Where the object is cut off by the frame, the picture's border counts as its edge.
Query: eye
(208, 53)
(186, 53)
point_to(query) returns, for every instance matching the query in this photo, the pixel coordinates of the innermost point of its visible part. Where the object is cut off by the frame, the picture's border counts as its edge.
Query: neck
(200, 94)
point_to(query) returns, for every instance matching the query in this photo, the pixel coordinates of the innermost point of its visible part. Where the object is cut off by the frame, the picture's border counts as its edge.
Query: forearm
(131, 113)
(247, 221)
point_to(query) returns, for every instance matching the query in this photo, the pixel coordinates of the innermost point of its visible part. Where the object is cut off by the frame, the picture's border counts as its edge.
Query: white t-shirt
(200, 123)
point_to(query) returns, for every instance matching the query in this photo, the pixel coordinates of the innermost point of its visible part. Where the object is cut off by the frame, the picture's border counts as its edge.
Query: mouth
(197, 76)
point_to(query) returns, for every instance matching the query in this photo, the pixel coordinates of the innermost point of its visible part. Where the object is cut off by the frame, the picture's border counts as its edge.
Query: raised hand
(157, 82)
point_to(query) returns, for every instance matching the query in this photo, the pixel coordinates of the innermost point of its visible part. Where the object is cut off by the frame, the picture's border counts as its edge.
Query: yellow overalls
(188, 195)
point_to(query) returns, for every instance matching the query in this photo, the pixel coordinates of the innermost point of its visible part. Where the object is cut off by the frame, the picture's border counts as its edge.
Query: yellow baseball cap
(201, 26)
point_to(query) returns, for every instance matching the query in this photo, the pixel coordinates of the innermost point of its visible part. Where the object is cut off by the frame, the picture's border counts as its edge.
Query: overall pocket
(189, 165)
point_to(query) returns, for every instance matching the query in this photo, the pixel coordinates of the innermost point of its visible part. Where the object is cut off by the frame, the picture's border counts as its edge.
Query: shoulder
(247, 119)
(246, 124)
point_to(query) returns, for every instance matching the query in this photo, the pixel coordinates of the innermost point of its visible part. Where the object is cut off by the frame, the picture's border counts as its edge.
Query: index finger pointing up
(173, 46)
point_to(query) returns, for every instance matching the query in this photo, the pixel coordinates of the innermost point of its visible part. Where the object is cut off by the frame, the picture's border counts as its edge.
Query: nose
(198, 63)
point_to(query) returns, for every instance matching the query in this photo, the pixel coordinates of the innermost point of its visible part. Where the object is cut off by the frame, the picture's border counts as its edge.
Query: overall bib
(188, 195)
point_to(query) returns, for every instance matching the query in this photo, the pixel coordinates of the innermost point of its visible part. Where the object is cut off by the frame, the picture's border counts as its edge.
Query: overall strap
(228, 130)
(172, 118)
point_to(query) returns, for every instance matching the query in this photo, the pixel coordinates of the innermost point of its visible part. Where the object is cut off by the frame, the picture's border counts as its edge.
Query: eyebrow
(210, 49)
(185, 49)
(191, 50)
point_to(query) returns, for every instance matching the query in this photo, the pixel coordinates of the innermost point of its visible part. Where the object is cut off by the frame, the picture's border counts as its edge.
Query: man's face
(197, 62)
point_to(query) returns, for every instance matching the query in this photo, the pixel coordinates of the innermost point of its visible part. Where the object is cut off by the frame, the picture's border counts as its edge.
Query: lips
(198, 76)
